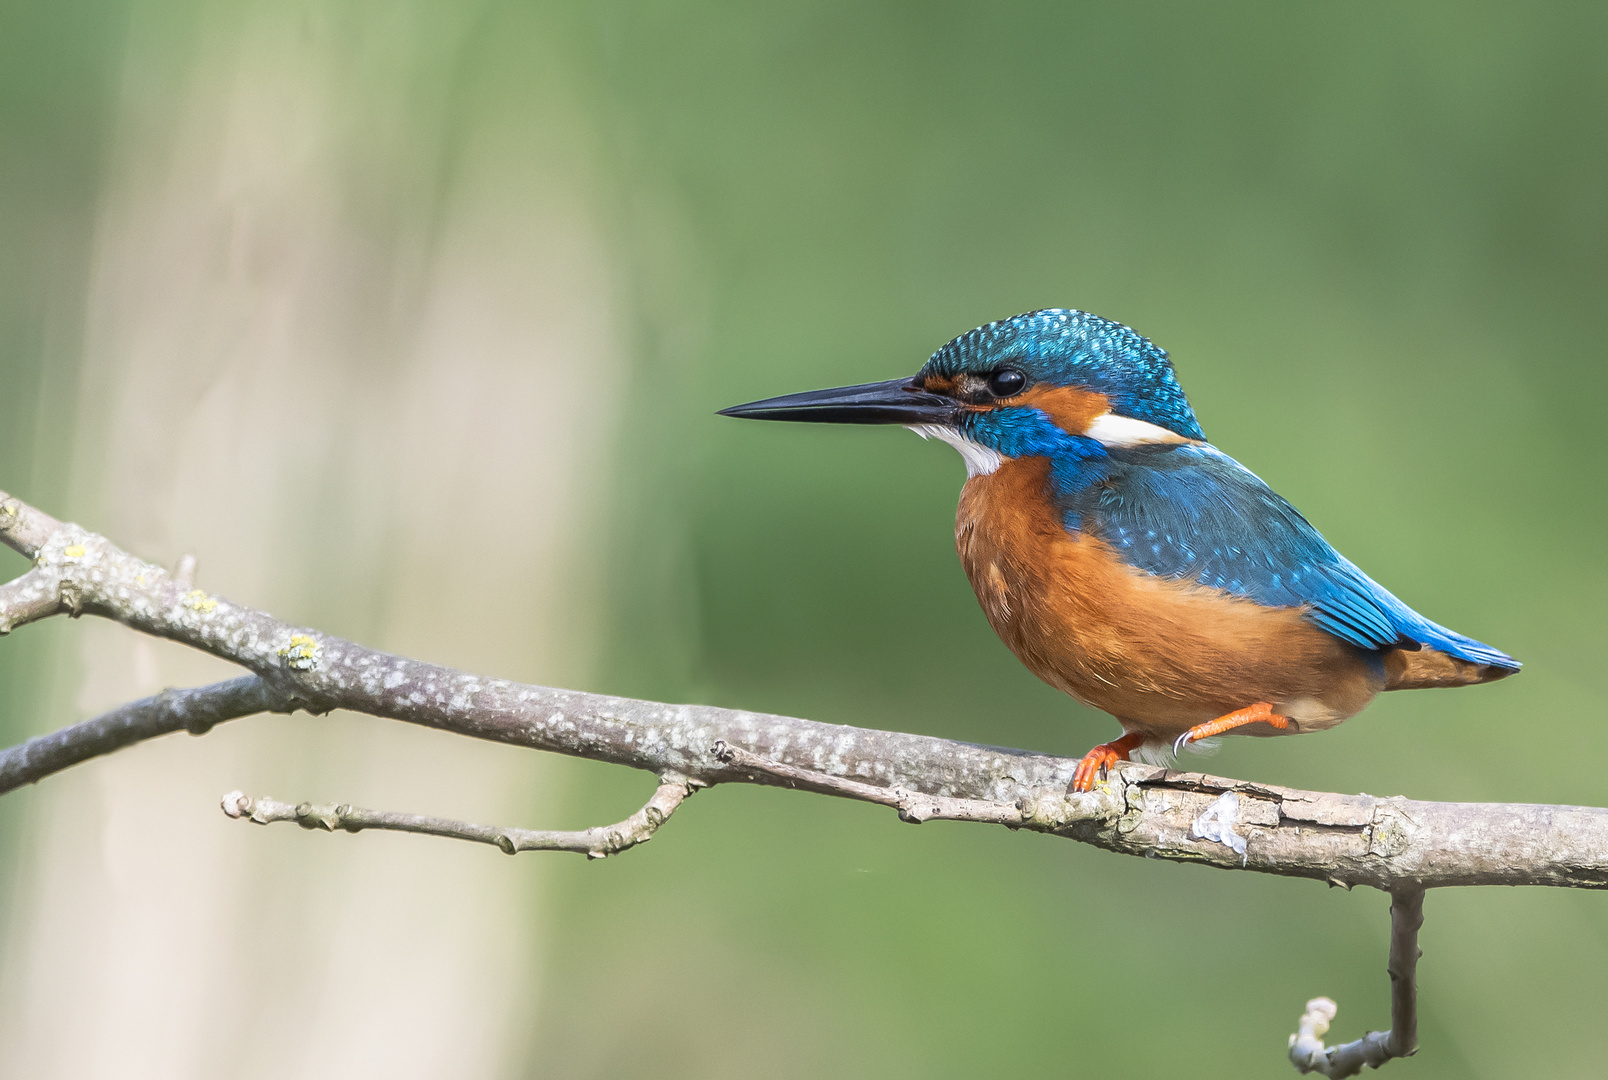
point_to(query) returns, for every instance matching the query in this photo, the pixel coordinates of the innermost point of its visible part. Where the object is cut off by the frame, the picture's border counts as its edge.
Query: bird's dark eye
(1006, 382)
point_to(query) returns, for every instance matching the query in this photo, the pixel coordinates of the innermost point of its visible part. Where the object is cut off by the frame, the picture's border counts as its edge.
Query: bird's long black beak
(898, 401)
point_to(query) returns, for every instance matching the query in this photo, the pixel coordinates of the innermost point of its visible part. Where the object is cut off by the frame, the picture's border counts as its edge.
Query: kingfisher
(1131, 564)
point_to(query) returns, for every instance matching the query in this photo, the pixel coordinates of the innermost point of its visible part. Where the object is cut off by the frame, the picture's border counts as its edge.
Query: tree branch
(1347, 840)
(196, 710)
(914, 807)
(27, 599)
(597, 843)
(1307, 1052)
(26, 530)
(1399, 845)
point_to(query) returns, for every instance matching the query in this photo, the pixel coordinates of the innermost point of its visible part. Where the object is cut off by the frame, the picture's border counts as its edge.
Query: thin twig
(913, 806)
(596, 843)
(1406, 919)
(196, 710)
(1307, 1052)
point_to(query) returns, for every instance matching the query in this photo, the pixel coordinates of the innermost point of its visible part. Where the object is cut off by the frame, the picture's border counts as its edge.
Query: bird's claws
(1097, 761)
(1181, 742)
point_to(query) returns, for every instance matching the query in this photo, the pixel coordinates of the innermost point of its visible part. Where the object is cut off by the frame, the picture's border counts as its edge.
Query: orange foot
(1260, 713)
(1096, 761)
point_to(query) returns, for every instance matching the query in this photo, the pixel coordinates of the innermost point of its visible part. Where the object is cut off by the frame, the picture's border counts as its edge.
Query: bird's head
(1044, 384)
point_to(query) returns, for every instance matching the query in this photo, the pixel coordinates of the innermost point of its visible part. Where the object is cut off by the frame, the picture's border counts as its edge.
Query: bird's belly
(1161, 655)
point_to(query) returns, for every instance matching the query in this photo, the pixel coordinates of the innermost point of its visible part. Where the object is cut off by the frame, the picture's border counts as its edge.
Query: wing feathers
(1191, 512)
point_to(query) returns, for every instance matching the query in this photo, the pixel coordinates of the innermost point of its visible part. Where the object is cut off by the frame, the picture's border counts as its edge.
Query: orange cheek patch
(1072, 409)
(940, 384)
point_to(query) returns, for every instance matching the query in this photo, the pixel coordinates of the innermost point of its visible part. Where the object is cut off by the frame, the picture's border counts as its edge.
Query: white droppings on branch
(1216, 823)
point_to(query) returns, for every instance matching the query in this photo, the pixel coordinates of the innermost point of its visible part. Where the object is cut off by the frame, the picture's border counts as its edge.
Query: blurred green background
(411, 319)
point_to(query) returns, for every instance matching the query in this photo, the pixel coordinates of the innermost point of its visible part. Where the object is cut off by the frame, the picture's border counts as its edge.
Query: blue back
(1190, 512)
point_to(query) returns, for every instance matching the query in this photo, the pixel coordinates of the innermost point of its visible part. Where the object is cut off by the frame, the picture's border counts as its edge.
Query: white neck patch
(1112, 430)
(980, 460)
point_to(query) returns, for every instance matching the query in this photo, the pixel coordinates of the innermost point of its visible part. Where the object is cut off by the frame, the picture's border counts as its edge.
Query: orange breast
(1159, 655)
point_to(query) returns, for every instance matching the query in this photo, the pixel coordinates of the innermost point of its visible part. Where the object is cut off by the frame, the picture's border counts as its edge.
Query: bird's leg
(1096, 760)
(1260, 713)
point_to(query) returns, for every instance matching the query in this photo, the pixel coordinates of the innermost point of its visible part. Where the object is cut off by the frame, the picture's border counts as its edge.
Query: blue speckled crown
(1074, 348)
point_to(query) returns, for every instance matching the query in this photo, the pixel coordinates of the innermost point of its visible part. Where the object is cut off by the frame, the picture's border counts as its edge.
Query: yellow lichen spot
(139, 579)
(74, 551)
(301, 653)
(200, 601)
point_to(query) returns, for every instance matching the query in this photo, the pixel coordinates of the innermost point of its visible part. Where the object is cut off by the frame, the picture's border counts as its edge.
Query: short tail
(1445, 658)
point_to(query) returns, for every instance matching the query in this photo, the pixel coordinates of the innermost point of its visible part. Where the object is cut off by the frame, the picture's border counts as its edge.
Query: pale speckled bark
(195, 710)
(1348, 840)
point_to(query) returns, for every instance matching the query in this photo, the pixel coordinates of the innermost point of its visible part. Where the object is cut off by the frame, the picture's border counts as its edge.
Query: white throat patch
(1112, 430)
(980, 460)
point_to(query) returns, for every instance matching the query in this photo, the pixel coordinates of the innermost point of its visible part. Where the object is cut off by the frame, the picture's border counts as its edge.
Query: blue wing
(1191, 512)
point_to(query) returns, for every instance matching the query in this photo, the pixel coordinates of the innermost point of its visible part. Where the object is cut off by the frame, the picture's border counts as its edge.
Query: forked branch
(1398, 845)
(1388, 843)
